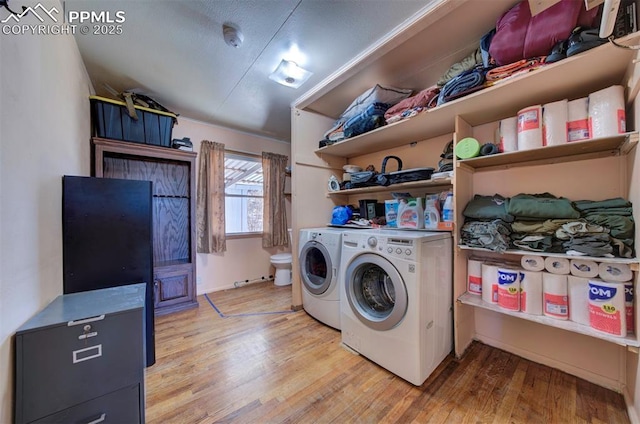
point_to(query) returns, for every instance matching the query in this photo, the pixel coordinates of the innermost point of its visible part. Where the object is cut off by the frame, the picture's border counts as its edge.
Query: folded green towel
(488, 207)
(541, 206)
(587, 205)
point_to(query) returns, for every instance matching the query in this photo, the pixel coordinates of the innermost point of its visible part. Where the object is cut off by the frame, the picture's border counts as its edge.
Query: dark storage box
(111, 119)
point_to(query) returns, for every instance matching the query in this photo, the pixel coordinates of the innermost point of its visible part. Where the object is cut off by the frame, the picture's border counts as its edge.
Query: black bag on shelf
(406, 175)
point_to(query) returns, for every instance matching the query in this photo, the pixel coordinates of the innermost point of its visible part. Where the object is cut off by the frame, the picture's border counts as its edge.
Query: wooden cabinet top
(126, 147)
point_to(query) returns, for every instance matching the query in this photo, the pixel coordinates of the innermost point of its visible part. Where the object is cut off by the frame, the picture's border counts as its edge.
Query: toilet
(282, 264)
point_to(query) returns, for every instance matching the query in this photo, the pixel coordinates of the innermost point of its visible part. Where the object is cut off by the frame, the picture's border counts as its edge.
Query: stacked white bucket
(583, 291)
(601, 114)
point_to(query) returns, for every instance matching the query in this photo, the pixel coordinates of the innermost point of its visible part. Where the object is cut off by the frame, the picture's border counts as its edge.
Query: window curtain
(210, 199)
(274, 225)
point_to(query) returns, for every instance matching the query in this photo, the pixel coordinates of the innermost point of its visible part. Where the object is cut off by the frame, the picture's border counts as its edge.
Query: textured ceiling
(174, 52)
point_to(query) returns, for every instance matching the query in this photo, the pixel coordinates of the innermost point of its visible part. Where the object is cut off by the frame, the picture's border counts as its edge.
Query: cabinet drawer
(70, 363)
(174, 285)
(122, 406)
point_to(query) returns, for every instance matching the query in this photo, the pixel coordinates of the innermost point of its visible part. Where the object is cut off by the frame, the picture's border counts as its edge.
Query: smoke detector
(232, 35)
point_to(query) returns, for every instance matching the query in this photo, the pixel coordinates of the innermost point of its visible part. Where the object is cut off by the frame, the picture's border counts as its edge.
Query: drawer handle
(99, 420)
(88, 335)
(85, 320)
(76, 353)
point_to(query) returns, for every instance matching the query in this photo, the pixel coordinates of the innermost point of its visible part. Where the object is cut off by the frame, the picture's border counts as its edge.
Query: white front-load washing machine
(397, 294)
(319, 260)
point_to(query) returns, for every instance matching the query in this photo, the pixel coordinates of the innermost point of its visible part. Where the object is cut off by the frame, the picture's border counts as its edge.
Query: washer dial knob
(372, 241)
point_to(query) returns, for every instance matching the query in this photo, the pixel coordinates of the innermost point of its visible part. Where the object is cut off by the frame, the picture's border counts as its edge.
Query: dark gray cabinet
(107, 239)
(81, 359)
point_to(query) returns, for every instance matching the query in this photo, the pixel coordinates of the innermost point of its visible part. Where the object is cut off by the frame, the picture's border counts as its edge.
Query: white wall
(44, 134)
(245, 258)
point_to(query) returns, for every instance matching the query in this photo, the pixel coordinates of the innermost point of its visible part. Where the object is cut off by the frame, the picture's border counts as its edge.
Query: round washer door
(376, 292)
(315, 267)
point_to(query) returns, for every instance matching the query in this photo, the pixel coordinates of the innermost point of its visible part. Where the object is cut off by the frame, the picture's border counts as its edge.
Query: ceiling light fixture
(290, 74)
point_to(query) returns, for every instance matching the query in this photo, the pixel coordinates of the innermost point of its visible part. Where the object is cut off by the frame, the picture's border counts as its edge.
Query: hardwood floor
(250, 363)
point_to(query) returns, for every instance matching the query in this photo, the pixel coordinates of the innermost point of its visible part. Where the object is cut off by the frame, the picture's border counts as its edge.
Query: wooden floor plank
(246, 365)
(500, 380)
(562, 405)
(531, 403)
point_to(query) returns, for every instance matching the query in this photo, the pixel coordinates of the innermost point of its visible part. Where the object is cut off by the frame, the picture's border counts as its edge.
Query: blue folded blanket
(369, 119)
(466, 81)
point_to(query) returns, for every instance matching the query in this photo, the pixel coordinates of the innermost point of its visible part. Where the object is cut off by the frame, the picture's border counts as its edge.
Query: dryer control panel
(328, 240)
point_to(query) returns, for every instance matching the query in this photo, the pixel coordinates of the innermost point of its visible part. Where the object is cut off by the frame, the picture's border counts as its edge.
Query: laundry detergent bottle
(411, 214)
(447, 209)
(431, 212)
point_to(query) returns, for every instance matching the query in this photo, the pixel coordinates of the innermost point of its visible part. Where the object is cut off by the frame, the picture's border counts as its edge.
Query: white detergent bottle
(431, 212)
(447, 209)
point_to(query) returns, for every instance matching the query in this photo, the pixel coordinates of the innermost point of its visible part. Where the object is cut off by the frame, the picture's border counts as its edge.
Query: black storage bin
(111, 119)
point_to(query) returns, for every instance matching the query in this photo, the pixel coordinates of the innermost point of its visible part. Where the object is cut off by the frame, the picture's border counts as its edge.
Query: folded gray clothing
(536, 242)
(493, 235)
(533, 243)
(587, 205)
(620, 227)
(488, 207)
(622, 248)
(591, 245)
(541, 206)
(579, 228)
(589, 238)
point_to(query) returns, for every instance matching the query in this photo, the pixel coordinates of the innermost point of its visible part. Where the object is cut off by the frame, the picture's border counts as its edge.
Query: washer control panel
(391, 246)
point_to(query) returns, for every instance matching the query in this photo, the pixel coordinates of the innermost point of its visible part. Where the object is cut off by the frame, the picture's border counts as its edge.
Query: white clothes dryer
(319, 260)
(397, 296)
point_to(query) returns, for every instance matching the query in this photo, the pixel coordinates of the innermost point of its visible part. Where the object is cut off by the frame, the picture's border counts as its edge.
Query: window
(243, 193)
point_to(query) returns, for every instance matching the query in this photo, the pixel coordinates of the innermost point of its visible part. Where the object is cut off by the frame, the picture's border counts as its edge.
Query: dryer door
(375, 292)
(315, 267)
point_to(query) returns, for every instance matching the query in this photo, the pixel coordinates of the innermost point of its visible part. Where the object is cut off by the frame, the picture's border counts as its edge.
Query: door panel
(375, 292)
(316, 269)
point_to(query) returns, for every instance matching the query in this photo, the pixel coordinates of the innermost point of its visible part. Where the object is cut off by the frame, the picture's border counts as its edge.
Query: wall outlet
(198, 280)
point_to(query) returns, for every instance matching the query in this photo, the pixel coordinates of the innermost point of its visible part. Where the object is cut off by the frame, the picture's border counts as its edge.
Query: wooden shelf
(476, 301)
(564, 79)
(385, 228)
(142, 150)
(606, 146)
(444, 182)
(633, 262)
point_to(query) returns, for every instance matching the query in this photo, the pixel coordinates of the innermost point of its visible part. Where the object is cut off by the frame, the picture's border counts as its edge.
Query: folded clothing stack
(546, 223)
(388, 96)
(465, 83)
(369, 119)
